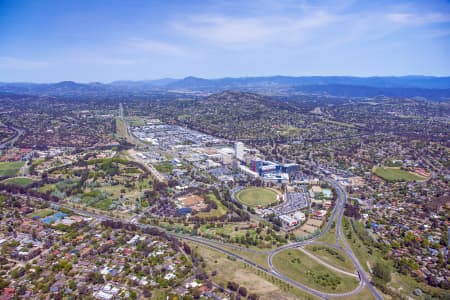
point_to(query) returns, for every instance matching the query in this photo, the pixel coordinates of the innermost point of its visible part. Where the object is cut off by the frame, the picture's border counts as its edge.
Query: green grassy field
(42, 213)
(365, 294)
(47, 187)
(183, 117)
(136, 121)
(20, 181)
(333, 256)
(395, 174)
(259, 258)
(298, 266)
(99, 191)
(339, 123)
(262, 284)
(11, 168)
(289, 131)
(235, 232)
(329, 236)
(102, 204)
(217, 213)
(164, 167)
(122, 132)
(361, 251)
(255, 196)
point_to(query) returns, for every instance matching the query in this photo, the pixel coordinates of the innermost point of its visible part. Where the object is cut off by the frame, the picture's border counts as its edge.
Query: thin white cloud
(228, 31)
(271, 24)
(10, 62)
(225, 30)
(418, 19)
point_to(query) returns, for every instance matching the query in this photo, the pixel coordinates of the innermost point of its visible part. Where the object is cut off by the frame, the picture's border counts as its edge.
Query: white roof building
(299, 216)
(288, 220)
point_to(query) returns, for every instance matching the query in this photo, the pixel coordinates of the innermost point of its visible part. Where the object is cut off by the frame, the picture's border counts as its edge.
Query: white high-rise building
(239, 150)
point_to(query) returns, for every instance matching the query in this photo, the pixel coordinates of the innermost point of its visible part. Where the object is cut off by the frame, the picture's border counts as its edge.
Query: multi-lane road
(13, 139)
(336, 216)
(131, 138)
(347, 249)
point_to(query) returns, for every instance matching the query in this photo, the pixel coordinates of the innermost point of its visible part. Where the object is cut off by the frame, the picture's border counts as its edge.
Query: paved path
(322, 262)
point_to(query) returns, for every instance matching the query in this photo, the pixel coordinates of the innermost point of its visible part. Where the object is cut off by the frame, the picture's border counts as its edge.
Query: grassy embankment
(256, 281)
(332, 256)
(298, 266)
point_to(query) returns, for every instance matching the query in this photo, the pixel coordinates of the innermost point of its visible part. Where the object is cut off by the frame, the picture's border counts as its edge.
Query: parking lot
(293, 201)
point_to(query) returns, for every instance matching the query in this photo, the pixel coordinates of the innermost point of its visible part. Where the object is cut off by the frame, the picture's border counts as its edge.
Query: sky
(103, 41)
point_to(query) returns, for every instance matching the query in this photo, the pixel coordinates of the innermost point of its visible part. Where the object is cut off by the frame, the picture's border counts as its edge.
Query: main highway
(11, 141)
(131, 138)
(336, 216)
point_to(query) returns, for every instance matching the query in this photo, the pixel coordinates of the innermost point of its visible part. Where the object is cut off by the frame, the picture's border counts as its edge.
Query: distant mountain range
(433, 88)
(427, 82)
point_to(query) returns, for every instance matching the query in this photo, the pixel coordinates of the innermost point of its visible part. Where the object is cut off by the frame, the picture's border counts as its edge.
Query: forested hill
(432, 88)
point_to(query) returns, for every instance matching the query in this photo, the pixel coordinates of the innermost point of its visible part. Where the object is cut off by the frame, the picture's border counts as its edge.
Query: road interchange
(336, 216)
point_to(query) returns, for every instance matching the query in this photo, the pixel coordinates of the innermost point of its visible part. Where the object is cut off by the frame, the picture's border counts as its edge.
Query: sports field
(395, 174)
(255, 196)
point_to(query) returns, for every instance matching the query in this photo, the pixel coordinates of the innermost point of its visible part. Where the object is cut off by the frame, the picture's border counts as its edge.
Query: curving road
(12, 140)
(337, 213)
(326, 264)
(348, 250)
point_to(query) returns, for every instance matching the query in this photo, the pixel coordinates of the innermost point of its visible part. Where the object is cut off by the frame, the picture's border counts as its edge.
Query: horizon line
(224, 77)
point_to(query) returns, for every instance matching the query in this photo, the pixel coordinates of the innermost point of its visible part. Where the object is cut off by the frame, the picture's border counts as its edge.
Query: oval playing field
(255, 196)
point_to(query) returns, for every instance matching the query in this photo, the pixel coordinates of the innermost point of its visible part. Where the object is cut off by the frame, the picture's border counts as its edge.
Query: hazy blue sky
(92, 40)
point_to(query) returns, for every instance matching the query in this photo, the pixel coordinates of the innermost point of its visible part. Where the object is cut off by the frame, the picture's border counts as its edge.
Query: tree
(243, 291)
(196, 293)
(382, 271)
(232, 286)
(146, 292)
(72, 285)
(253, 297)
(3, 283)
(133, 294)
